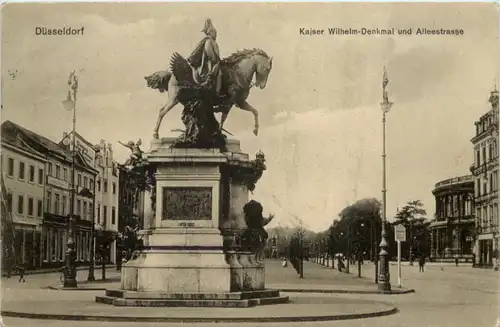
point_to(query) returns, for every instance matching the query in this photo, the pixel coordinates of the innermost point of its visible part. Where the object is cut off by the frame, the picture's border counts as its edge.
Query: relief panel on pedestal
(187, 203)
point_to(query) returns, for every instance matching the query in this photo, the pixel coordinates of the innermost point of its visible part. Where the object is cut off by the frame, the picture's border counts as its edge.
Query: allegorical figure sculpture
(136, 152)
(204, 84)
(258, 166)
(254, 237)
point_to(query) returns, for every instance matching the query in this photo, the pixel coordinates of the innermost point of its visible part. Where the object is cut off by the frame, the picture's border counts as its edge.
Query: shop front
(55, 236)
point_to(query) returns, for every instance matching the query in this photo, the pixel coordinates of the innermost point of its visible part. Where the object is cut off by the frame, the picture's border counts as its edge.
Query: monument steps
(182, 302)
(243, 295)
(243, 299)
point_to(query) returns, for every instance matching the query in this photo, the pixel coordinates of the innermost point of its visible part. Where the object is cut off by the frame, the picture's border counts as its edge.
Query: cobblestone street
(444, 296)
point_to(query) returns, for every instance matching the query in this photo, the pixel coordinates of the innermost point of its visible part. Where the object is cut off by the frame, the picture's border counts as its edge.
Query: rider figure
(205, 59)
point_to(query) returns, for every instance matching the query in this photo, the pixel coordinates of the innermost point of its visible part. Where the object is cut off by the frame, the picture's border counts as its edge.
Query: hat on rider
(209, 29)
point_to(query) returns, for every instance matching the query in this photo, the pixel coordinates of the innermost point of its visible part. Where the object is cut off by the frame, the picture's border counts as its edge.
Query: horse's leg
(222, 120)
(163, 111)
(247, 107)
(172, 102)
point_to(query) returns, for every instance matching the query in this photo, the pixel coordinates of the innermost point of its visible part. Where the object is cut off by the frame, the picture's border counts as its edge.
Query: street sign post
(400, 236)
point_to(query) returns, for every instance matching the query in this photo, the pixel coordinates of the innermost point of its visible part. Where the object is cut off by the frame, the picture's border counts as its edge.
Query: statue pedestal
(186, 260)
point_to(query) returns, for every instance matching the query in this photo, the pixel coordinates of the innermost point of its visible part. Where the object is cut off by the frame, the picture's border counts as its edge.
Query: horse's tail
(159, 80)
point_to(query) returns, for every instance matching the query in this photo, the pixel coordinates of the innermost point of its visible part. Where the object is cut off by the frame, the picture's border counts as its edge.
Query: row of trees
(357, 231)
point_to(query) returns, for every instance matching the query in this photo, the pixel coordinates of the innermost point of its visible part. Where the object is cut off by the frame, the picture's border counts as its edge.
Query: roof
(79, 136)
(11, 138)
(39, 144)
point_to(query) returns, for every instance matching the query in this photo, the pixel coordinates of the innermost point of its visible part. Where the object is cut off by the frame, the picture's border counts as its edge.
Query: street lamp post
(70, 269)
(384, 283)
(91, 276)
(301, 249)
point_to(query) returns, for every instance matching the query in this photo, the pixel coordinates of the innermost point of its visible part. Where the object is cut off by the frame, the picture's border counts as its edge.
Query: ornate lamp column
(70, 269)
(384, 283)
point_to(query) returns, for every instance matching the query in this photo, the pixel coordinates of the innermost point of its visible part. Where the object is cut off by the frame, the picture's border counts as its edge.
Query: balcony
(455, 181)
(57, 182)
(486, 197)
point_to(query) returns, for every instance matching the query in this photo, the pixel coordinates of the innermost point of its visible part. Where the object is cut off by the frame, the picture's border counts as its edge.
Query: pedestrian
(284, 263)
(21, 269)
(421, 263)
(456, 262)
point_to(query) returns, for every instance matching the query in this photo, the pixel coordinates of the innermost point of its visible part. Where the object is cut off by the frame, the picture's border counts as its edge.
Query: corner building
(485, 172)
(453, 227)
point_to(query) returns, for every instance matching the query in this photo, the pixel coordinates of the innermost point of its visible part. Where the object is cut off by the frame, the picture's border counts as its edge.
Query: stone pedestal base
(185, 299)
(185, 261)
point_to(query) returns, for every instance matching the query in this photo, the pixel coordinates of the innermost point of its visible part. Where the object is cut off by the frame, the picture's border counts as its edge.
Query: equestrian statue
(205, 84)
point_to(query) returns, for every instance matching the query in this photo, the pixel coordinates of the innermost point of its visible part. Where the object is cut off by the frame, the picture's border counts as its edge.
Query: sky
(320, 116)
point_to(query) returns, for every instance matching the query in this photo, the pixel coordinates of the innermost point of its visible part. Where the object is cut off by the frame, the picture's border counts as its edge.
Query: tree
(412, 216)
(358, 227)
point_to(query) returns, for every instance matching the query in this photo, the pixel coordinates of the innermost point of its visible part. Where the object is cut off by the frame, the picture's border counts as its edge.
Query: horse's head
(263, 67)
(250, 62)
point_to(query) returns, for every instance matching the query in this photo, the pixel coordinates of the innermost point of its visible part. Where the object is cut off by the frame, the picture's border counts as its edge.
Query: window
(49, 202)
(91, 185)
(490, 150)
(40, 176)
(20, 204)
(491, 182)
(65, 174)
(78, 206)
(478, 187)
(58, 171)
(105, 218)
(85, 213)
(79, 179)
(64, 200)
(114, 188)
(9, 202)
(85, 181)
(98, 213)
(105, 186)
(113, 213)
(485, 187)
(57, 203)
(484, 154)
(31, 205)
(40, 208)
(32, 174)
(478, 158)
(91, 211)
(10, 167)
(21, 170)
(490, 218)
(50, 169)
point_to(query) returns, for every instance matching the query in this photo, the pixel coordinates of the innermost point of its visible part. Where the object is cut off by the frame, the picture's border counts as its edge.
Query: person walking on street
(21, 269)
(421, 263)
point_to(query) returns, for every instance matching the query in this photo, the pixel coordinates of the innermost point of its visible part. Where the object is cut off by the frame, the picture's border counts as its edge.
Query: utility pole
(70, 269)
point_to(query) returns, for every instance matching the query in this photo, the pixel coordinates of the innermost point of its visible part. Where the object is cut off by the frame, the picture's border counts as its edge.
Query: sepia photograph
(250, 164)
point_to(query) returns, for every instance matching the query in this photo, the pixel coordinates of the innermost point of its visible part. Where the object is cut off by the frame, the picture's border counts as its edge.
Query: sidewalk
(321, 279)
(53, 270)
(317, 279)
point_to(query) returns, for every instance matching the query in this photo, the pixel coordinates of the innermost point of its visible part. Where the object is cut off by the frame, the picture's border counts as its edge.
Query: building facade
(485, 172)
(49, 242)
(100, 157)
(23, 172)
(452, 230)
